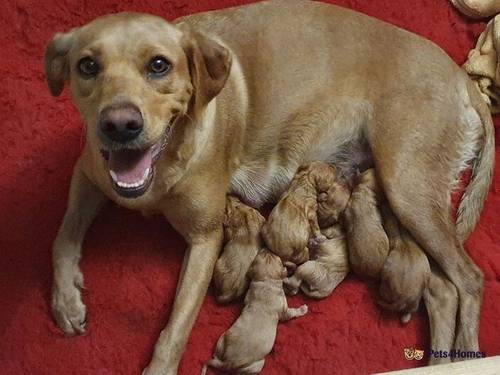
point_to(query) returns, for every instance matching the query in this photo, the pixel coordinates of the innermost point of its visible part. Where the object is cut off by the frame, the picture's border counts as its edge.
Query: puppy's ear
(351, 177)
(209, 64)
(56, 62)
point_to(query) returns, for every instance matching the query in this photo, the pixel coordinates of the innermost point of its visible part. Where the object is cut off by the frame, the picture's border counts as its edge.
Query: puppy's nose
(121, 123)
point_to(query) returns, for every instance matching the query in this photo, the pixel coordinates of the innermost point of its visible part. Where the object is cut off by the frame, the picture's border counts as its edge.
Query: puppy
(242, 243)
(380, 247)
(319, 277)
(244, 346)
(406, 271)
(293, 223)
(366, 238)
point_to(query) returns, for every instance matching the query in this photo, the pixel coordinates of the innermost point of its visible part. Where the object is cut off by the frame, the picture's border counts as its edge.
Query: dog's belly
(264, 180)
(334, 130)
(258, 184)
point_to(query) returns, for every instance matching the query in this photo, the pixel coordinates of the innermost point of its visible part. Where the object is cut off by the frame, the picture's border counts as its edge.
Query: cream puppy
(318, 278)
(243, 347)
(242, 243)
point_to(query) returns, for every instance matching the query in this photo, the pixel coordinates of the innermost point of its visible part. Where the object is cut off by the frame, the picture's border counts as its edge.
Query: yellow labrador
(178, 114)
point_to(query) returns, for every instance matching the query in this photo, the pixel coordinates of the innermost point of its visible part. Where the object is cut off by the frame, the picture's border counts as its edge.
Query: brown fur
(366, 238)
(380, 247)
(242, 243)
(315, 198)
(243, 348)
(405, 273)
(249, 98)
(318, 277)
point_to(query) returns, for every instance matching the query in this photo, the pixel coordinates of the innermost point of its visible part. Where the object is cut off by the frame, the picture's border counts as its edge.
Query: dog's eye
(159, 65)
(88, 67)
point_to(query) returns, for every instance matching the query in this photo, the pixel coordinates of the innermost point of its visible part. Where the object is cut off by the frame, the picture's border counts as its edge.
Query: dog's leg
(291, 313)
(441, 302)
(316, 236)
(254, 368)
(420, 197)
(214, 362)
(193, 283)
(85, 200)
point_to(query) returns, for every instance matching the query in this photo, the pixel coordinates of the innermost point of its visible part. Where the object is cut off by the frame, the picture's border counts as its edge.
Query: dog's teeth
(113, 176)
(131, 184)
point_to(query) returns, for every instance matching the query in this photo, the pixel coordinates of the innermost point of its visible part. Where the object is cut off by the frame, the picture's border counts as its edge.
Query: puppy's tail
(475, 194)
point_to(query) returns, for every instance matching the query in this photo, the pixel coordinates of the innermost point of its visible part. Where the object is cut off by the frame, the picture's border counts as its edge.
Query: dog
(380, 247)
(242, 243)
(244, 346)
(235, 101)
(362, 219)
(318, 277)
(314, 198)
(405, 273)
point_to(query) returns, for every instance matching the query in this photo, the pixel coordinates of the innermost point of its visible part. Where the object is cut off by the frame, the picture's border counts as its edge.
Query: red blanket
(131, 263)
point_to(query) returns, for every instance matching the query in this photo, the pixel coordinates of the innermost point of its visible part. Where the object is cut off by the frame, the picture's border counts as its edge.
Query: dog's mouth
(132, 170)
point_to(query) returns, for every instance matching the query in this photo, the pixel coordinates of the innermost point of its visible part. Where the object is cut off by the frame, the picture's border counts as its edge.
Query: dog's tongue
(130, 166)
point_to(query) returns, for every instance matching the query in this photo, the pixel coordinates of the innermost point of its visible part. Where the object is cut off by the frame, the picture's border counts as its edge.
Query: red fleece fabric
(131, 263)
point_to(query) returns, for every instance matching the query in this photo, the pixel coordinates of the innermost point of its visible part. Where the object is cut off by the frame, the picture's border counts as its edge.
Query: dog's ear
(56, 61)
(209, 64)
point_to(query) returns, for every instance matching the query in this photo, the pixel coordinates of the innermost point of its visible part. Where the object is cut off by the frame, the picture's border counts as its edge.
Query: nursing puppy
(242, 243)
(244, 346)
(380, 247)
(406, 271)
(318, 277)
(294, 222)
(366, 238)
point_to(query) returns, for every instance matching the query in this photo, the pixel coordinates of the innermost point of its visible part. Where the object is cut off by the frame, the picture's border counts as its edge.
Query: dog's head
(267, 265)
(332, 190)
(132, 77)
(241, 219)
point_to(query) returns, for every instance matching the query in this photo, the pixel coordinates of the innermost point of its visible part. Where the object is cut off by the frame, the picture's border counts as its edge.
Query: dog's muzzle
(132, 170)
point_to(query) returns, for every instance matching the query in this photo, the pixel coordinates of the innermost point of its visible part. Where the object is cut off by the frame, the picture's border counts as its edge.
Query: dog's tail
(475, 194)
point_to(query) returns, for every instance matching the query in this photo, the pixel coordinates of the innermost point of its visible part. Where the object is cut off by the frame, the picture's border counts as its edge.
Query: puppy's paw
(290, 267)
(316, 241)
(405, 318)
(68, 309)
(290, 290)
(303, 310)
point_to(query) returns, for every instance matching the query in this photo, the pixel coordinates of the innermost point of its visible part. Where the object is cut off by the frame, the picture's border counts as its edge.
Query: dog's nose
(121, 123)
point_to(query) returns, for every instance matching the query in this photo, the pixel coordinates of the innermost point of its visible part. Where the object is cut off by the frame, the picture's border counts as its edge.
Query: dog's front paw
(68, 309)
